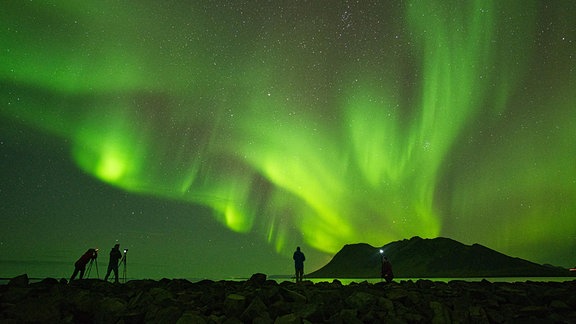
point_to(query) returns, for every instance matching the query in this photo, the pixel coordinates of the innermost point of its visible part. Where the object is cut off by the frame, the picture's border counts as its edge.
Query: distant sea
(348, 281)
(38, 270)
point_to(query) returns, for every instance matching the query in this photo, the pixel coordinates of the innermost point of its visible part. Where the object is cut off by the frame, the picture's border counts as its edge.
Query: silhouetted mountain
(431, 258)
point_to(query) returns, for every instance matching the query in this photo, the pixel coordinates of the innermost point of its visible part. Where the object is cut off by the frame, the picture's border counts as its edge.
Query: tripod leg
(87, 272)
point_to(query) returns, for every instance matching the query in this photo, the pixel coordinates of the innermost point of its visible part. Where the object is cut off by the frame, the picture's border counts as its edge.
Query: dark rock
(19, 281)
(310, 311)
(48, 282)
(362, 301)
(293, 296)
(262, 320)
(413, 318)
(234, 304)
(571, 300)
(141, 300)
(288, 319)
(538, 310)
(441, 313)
(179, 285)
(161, 296)
(133, 317)
(424, 284)
(349, 316)
(169, 314)
(14, 294)
(109, 310)
(397, 294)
(279, 308)
(35, 311)
(191, 318)
(478, 314)
(494, 316)
(81, 300)
(112, 305)
(140, 285)
(559, 305)
(272, 294)
(386, 305)
(257, 308)
(232, 320)
(257, 279)
(180, 301)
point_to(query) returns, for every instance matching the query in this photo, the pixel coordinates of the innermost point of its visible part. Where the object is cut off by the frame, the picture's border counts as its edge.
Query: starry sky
(211, 138)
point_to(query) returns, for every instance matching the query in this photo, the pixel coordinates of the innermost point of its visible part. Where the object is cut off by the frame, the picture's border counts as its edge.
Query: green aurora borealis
(313, 123)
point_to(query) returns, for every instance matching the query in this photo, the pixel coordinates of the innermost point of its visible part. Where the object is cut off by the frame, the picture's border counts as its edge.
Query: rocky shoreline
(259, 300)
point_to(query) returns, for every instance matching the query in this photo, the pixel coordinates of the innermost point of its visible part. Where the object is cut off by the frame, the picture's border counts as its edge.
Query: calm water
(503, 279)
(38, 270)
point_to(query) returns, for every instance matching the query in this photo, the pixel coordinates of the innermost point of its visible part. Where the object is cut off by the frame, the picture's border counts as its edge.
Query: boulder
(361, 301)
(441, 313)
(264, 301)
(19, 281)
(234, 304)
(288, 319)
(293, 296)
(257, 279)
(191, 318)
(256, 309)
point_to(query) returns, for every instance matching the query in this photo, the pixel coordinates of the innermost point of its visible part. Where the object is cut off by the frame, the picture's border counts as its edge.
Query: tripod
(123, 265)
(90, 268)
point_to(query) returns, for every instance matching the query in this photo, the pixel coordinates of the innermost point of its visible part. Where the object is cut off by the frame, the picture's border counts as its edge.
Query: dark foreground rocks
(259, 300)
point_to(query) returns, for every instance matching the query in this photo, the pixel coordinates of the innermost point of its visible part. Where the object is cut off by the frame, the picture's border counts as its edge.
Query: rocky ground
(259, 300)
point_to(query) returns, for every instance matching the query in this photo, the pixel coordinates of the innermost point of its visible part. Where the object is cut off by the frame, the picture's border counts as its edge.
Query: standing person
(80, 265)
(387, 269)
(299, 259)
(115, 256)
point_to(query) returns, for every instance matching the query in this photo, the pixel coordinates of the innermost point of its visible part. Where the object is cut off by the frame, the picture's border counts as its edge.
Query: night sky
(211, 138)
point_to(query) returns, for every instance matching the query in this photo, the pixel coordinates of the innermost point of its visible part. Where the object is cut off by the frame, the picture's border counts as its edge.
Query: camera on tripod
(92, 259)
(123, 265)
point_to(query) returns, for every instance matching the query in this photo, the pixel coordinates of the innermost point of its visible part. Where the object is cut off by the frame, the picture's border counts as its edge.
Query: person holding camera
(80, 265)
(115, 257)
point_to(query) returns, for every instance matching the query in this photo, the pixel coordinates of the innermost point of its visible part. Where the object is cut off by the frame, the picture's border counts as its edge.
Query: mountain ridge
(431, 258)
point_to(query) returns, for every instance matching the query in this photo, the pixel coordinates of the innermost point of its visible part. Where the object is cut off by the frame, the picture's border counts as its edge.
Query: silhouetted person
(387, 269)
(115, 256)
(299, 259)
(80, 265)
